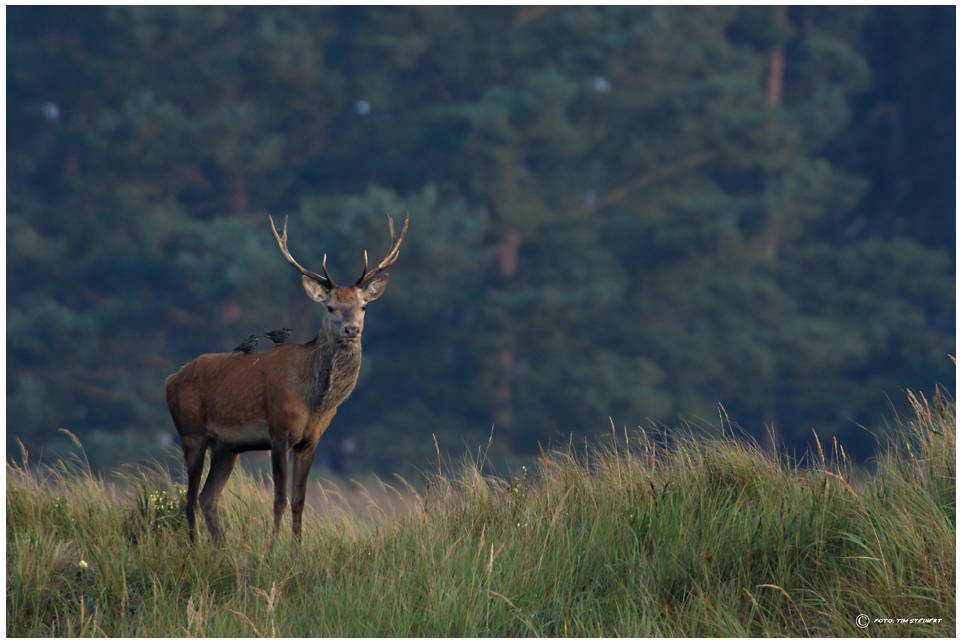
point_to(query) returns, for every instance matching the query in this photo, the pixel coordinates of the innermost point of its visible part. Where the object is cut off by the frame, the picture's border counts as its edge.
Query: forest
(620, 217)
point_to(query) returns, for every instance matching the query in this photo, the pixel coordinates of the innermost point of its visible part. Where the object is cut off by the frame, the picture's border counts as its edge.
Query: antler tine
(324, 267)
(365, 271)
(389, 258)
(282, 240)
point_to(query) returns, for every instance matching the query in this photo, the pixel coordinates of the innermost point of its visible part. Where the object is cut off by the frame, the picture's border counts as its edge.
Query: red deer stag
(281, 399)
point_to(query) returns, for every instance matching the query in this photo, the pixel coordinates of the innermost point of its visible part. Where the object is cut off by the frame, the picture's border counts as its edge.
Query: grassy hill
(644, 536)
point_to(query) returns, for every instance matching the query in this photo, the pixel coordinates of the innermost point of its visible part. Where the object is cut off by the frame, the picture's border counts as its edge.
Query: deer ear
(374, 288)
(315, 290)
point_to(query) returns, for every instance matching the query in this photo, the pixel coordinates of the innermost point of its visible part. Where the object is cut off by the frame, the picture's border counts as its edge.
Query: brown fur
(281, 399)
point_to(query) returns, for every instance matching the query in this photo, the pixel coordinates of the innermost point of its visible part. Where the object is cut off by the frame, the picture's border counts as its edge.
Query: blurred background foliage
(626, 212)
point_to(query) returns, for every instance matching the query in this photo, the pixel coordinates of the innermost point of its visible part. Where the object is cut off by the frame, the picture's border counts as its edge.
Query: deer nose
(351, 331)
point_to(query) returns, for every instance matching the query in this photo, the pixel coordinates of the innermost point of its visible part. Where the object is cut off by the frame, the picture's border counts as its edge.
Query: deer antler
(389, 259)
(282, 239)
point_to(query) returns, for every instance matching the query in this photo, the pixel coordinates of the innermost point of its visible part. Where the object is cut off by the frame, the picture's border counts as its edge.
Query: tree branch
(643, 180)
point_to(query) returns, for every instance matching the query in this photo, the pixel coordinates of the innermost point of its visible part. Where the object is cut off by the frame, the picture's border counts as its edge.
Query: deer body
(281, 399)
(301, 394)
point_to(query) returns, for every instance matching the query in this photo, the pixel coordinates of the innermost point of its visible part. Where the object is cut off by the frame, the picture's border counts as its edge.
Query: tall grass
(639, 536)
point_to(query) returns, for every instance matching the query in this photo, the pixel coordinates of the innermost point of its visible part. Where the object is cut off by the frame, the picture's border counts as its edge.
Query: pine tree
(625, 212)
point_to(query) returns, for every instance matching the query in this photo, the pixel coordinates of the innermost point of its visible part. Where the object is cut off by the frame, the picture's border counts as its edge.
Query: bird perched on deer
(281, 399)
(278, 336)
(248, 345)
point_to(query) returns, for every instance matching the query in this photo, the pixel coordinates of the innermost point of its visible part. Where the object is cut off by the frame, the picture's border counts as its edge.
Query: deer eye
(330, 309)
(364, 306)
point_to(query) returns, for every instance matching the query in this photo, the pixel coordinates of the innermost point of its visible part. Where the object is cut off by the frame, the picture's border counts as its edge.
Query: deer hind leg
(222, 463)
(194, 451)
(279, 468)
(303, 458)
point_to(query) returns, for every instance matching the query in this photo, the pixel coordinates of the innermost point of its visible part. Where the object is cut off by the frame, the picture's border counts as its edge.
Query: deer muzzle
(351, 332)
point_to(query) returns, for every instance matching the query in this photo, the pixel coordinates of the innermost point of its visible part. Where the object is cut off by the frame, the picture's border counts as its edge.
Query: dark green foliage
(635, 212)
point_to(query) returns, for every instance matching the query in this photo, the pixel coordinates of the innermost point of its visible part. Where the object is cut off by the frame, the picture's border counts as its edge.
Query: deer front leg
(303, 458)
(279, 468)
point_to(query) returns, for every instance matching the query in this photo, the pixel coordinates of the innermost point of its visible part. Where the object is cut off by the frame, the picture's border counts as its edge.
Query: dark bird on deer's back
(278, 336)
(248, 344)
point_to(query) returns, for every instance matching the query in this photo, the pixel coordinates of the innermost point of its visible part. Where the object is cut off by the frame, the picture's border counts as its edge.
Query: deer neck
(335, 371)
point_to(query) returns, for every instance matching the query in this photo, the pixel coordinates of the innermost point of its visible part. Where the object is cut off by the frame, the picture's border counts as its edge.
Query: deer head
(345, 305)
